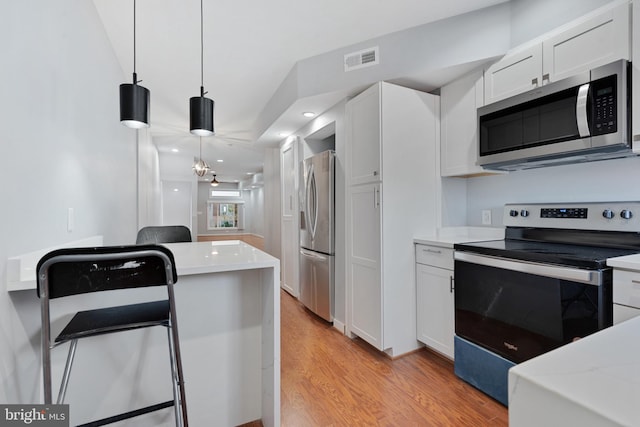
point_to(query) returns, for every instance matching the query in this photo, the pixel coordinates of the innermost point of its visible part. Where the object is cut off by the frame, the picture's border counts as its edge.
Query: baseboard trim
(339, 326)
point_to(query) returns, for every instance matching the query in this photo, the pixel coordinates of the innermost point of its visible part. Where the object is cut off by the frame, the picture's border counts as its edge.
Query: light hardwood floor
(331, 380)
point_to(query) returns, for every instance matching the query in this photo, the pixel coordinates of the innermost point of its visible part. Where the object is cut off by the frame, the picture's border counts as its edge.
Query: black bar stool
(163, 234)
(74, 271)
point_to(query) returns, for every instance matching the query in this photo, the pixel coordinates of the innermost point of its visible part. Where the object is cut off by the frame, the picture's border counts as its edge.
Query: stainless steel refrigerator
(317, 234)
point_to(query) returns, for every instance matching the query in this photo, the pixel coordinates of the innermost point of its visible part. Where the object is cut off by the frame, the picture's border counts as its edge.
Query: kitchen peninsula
(228, 312)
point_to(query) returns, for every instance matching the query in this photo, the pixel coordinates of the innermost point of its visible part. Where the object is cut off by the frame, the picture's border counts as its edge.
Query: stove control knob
(608, 213)
(626, 214)
(524, 213)
(513, 212)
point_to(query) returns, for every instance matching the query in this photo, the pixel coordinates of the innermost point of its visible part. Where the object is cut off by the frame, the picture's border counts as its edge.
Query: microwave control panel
(603, 107)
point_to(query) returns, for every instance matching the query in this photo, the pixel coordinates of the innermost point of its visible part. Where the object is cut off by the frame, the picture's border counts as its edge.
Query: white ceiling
(249, 48)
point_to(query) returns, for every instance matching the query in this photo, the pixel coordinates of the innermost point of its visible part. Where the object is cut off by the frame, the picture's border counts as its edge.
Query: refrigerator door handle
(313, 255)
(312, 202)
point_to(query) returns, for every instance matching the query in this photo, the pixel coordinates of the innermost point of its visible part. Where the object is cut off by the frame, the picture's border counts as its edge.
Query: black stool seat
(115, 319)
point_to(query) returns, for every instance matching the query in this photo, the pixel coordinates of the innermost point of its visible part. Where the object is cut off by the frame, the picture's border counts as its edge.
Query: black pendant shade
(201, 115)
(134, 105)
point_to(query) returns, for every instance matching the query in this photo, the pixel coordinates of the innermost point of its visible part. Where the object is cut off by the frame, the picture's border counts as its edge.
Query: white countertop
(213, 257)
(592, 382)
(21, 269)
(190, 258)
(629, 262)
(448, 236)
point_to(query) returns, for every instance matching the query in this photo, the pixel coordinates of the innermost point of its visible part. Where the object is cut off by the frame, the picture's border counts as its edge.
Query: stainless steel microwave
(581, 118)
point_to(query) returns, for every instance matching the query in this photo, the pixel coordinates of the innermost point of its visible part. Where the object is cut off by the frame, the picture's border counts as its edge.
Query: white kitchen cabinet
(385, 210)
(515, 73)
(435, 298)
(364, 135)
(459, 101)
(365, 263)
(289, 217)
(626, 295)
(596, 39)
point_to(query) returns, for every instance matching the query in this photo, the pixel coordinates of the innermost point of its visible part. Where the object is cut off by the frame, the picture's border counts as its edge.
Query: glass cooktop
(589, 257)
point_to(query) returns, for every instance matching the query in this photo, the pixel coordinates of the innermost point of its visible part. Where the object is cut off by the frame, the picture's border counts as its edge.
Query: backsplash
(608, 180)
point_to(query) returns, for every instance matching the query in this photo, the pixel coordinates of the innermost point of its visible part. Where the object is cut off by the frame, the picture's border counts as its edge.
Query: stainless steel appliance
(582, 118)
(317, 234)
(545, 285)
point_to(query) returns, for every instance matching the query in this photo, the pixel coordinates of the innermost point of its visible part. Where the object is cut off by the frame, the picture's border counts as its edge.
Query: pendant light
(134, 99)
(200, 167)
(215, 182)
(200, 107)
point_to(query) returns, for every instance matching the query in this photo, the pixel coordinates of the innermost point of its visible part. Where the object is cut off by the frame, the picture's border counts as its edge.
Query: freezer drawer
(316, 283)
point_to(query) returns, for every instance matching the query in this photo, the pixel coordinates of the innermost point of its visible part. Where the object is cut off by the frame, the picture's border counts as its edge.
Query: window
(225, 193)
(225, 215)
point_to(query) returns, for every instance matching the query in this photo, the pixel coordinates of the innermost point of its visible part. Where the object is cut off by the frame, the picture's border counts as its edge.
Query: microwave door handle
(581, 110)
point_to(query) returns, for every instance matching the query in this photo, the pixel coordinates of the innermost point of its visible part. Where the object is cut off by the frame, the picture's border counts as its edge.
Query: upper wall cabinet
(594, 40)
(515, 73)
(364, 133)
(459, 101)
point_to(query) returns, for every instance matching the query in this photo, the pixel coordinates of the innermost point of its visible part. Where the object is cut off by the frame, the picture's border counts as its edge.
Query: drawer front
(435, 256)
(626, 288)
(622, 313)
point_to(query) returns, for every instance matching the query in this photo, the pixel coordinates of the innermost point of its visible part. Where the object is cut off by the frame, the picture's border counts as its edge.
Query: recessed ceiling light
(308, 114)
(175, 189)
(220, 160)
(175, 150)
(283, 134)
(249, 173)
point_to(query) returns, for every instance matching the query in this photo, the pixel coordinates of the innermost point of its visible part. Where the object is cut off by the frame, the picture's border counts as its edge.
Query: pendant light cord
(134, 36)
(202, 93)
(135, 76)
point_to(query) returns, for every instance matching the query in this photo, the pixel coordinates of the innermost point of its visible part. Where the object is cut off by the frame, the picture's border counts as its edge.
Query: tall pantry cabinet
(393, 193)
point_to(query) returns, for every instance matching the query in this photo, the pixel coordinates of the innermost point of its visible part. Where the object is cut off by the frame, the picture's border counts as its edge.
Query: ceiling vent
(361, 59)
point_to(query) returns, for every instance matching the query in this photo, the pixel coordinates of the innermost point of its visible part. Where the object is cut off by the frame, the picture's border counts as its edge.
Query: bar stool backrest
(73, 271)
(163, 234)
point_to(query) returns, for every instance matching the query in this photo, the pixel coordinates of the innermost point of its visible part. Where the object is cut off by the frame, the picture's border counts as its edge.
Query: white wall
(532, 18)
(254, 211)
(271, 196)
(176, 203)
(61, 146)
(149, 189)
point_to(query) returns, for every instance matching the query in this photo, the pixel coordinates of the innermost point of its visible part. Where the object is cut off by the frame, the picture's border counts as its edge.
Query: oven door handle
(589, 277)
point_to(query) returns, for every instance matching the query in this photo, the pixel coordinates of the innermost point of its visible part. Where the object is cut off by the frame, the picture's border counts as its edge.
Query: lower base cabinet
(626, 295)
(435, 299)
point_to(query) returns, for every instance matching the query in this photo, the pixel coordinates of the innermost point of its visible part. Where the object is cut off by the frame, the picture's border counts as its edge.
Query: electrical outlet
(486, 217)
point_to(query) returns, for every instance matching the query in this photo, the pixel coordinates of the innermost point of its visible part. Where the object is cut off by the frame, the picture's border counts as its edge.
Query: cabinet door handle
(545, 77)
(534, 81)
(376, 198)
(451, 287)
(433, 251)
(375, 173)
(637, 282)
